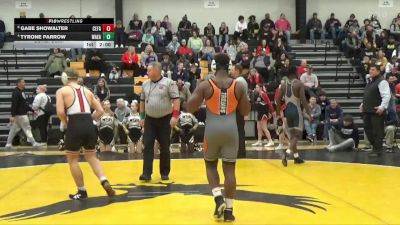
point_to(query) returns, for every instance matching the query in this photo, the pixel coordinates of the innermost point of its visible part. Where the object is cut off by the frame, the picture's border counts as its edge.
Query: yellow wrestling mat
(313, 193)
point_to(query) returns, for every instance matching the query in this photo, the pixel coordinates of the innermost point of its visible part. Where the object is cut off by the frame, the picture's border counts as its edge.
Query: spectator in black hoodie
(345, 136)
(314, 26)
(267, 22)
(332, 26)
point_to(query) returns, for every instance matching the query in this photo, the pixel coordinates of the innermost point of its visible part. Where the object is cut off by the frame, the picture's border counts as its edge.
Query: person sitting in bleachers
(352, 46)
(184, 50)
(314, 26)
(390, 47)
(375, 23)
(333, 116)
(311, 83)
(148, 56)
(114, 75)
(195, 43)
(241, 29)
(194, 76)
(381, 58)
(184, 28)
(302, 68)
(148, 24)
(244, 57)
(159, 34)
(264, 64)
(267, 22)
(332, 26)
(185, 61)
(223, 34)
(184, 92)
(279, 48)
(208, 51)
(130, 61)
(174, 45)
(2, 33)
(95, 60)
(284, 25)
(119, 32)
(383, 40)
(311, 123)
(134, 30)
(209, 33)
(395, 28)
(147, 39)
(253, 27)
(266, 32)
(168, 28)
(254, 79)
(167, 67)
(231, 50)
(282, 67)
(180, 73)
(101, 90)
(56, 63)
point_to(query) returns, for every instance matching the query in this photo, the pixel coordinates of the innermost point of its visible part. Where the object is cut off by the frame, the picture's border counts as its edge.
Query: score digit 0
(108, 27)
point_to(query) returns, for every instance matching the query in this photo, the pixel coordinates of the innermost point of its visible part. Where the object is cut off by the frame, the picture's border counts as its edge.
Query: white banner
(386, 3)
(23, 4)
(211, 4)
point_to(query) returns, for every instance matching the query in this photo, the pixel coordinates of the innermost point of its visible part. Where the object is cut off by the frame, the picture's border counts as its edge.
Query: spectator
(95, 61)
(184, 92)
(345, 137)
(369, 36)
(241, 45)
(19, 116)
(119, 34)
(185, 61)
(195, 28)
(266, 33)
(101, 90)
(382, 59)
(263, 64)
(241, 29)
(147, 39)
(194, 77)
(397, 17)
(383, 40)
(311, 83)
(396, 52)
(369, 51)
(279, 48)
(332, 26)
(394, 29)
(180, 73)
(392, 68)
(254, 79)
(302, 69)
(148, 57)
(265, 112)
(174, 45)
(311, 123)
(363, 28)
(253, 26)
(397, 99)
(267, 22)
(244, 57)
(209, 33)
(2, 33)
(314, 26)
(284, 25)
(41, 117)
(282, 70)
(158, 33)
(195, 43)
(167, 67)
(375, 23)
(114, 74)
(323, 102)
(184, 28)
(208, 51)
(223, 34)
(333, 116)
(230, 49)
(263, 47)
(121, 112)
(352, 46)
(391, 122)
(148, 24)
(352, 25)
(184, 50)
(168, 28)
(56, 63)
(134, 30)
(391, 46)
(130, 61)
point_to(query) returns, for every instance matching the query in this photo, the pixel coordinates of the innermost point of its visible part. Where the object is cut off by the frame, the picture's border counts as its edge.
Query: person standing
(224, 97)
(19, 116)
(74, 104)
(375, 101)
(158, 116)
(41, 117)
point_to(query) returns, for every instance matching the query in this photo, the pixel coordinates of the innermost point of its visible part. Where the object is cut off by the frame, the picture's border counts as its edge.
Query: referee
(375, 101)
(159, 111)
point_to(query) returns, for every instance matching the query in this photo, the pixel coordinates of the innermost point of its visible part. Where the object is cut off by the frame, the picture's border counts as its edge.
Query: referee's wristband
(175, 113)
(142, 115)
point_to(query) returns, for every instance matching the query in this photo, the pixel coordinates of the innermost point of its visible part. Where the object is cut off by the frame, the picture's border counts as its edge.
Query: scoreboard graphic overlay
(64, 33)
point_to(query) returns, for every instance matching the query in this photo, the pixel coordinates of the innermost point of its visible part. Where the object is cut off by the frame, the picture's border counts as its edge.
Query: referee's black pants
(374, 126)
(242, 137)
(160, 129)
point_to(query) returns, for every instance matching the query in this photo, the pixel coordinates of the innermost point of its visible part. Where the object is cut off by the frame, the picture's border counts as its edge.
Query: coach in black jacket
(19, 116)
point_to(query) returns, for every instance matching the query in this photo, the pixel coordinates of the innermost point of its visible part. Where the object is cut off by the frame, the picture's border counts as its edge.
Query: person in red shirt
(302, 68)
(263, 47)
(130, 61)
(185, 50)
(265, 112)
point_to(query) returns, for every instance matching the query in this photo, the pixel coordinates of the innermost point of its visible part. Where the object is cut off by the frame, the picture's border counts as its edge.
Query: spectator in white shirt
(311, 83)
(41, 118)
(241, 29)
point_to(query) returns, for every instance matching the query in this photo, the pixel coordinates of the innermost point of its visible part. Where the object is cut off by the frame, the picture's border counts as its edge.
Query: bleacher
(330, 66)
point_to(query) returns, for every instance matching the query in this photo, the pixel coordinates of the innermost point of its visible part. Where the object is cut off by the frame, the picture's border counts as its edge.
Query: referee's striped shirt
(157, 97)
